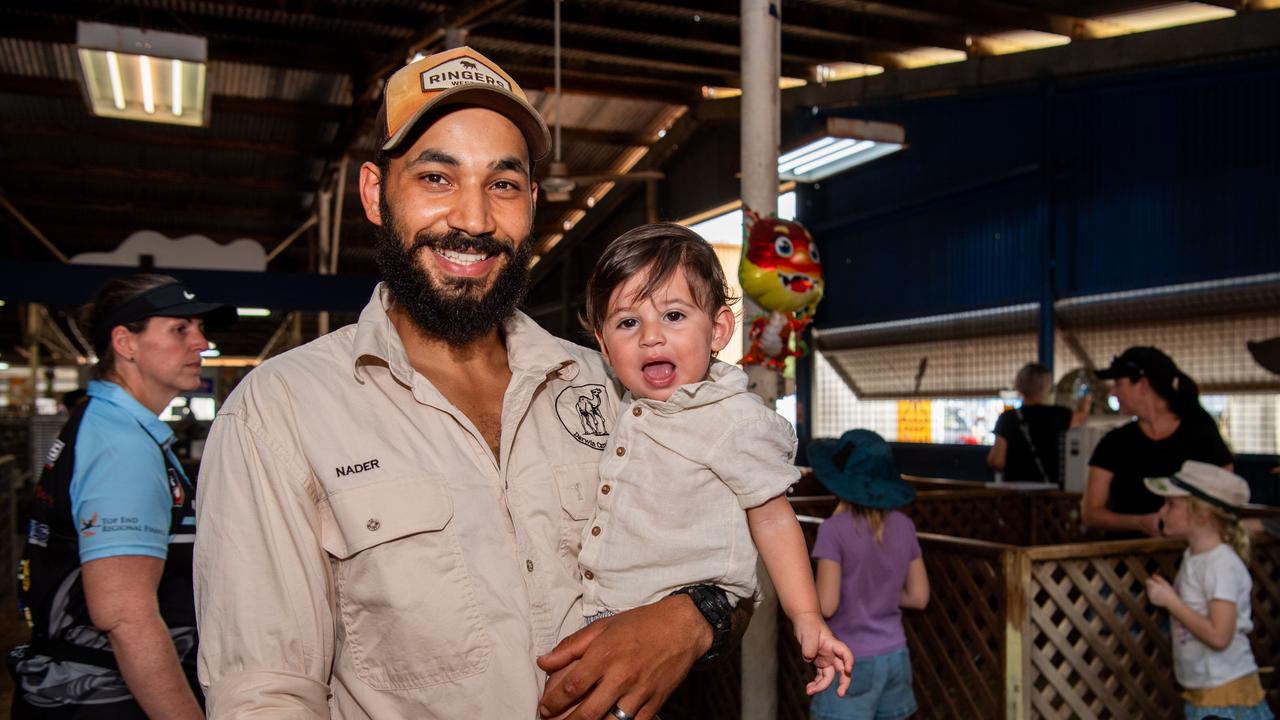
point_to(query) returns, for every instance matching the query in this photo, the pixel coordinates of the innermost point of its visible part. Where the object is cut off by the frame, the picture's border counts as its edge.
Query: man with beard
(391, 514)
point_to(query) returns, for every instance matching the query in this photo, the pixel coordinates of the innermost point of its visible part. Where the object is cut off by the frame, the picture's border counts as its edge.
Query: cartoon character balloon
(781, 271)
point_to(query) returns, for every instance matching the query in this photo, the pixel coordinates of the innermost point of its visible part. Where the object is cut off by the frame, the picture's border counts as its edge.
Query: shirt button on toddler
(622, 451)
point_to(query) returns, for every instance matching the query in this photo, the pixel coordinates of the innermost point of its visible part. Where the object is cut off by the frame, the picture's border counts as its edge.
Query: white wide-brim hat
(1215, 485)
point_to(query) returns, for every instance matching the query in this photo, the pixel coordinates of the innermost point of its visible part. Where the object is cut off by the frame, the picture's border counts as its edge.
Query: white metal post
(761, 67)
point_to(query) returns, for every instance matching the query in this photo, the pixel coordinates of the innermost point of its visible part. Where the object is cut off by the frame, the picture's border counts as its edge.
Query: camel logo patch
(579, 408)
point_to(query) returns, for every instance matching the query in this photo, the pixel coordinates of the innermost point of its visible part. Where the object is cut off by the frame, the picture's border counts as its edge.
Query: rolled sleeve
(262, 694)
(262, 581)
(754, 458)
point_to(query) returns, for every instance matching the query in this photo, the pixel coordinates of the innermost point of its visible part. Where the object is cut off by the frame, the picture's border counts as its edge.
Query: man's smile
(462, 258)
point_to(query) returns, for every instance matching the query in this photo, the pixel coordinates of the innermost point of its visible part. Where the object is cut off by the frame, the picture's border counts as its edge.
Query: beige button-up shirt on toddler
(363, 554)
(675, 483)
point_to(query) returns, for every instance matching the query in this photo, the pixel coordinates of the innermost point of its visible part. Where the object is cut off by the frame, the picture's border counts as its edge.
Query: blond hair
(1229, 527)
(871, 517)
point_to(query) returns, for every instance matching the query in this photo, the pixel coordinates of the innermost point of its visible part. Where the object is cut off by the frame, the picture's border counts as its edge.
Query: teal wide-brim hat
(859, 468)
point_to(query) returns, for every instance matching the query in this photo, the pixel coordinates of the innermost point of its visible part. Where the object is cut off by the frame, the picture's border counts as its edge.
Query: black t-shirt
(1132, 456)
(1045, 424)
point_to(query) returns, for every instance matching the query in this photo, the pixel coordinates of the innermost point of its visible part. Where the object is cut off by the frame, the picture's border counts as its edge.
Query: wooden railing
(1021, 627)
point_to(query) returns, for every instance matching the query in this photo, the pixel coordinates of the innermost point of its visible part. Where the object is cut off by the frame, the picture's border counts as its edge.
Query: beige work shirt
(675, 483)
(362, 554)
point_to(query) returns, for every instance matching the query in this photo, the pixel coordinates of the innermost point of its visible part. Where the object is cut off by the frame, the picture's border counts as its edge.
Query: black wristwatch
(713, 603)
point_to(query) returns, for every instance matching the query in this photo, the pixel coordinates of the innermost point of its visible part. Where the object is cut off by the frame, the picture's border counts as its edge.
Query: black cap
(171, 300)
(1267, 353)
(1140, 362)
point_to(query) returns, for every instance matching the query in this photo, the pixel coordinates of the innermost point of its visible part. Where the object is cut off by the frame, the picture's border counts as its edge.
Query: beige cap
(1211, 483)
(460, 76)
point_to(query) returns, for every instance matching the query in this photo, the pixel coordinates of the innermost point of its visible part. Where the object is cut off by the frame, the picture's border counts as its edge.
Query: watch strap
(713, 602)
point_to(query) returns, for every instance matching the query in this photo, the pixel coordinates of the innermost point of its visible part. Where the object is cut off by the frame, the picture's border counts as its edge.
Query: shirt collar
(377, 342)
(530, 348)
(723, 380)
(112, 393)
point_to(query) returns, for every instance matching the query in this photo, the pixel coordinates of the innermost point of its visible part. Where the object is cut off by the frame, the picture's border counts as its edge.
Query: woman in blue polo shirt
(105, 578)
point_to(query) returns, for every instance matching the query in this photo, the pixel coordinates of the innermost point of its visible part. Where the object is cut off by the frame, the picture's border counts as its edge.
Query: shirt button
(528, 565)
(589, 575)
(604, 489)
(635, 411)
(373, 524)
(595, 530)
(621, 451)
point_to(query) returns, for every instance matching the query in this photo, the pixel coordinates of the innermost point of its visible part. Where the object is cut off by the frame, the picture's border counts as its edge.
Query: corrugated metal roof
(257, 81)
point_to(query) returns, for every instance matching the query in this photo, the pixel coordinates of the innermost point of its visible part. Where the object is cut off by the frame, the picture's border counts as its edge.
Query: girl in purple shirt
(869, 568)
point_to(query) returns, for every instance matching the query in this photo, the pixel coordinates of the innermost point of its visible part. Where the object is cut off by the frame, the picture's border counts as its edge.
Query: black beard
(456, 314)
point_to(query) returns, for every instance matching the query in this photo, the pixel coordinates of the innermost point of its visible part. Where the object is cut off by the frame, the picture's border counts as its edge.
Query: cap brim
(1111, 373)
(1266, 353)
(1163, 487)
(216, 316)
(501, 101)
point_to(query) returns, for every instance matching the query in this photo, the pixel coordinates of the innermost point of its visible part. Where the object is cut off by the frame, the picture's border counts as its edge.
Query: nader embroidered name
(357, 468)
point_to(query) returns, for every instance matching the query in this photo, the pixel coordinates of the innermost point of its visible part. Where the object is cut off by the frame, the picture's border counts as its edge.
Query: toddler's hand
(828, 655)
(1159, 591)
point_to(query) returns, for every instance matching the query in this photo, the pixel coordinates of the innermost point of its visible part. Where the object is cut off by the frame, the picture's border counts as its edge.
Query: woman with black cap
(1169, 428)
(105, 578)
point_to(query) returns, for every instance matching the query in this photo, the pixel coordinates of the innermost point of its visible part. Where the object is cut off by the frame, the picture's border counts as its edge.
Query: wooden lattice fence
(1039, 624)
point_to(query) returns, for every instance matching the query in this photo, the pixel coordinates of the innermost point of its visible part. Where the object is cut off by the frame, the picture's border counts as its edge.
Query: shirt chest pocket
(407, 608)
(576, 484)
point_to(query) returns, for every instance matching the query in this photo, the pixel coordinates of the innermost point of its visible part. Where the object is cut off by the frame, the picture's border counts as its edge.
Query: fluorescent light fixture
(835, 72)
(844, 143)
(715, 92)
(134, 74)
(927, 57)
(211, 353)
(1159, 17)
(1015, 41)
(252, 312)
(4, 366)
(204, 408)
(231, 361)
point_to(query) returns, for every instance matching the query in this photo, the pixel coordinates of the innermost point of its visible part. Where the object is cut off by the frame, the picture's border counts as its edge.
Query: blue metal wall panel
(974, 250)
(1134, 181)
(956, 221)
(1177, 178)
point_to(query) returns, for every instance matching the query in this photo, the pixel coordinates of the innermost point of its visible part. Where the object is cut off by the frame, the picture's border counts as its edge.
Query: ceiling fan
(558, 185)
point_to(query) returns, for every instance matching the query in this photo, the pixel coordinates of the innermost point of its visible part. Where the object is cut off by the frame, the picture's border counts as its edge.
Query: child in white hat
(1209, 601)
